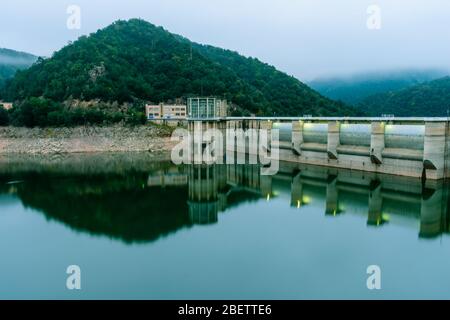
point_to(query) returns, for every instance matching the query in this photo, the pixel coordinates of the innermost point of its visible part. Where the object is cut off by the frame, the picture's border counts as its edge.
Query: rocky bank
(87, 139)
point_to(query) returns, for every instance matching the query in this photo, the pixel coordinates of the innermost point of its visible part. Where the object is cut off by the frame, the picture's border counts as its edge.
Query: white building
(171, 114)
(6, 105)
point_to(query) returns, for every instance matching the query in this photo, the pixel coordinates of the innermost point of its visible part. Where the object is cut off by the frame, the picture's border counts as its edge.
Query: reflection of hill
(134, 198)
(99, 194)
(121, 208)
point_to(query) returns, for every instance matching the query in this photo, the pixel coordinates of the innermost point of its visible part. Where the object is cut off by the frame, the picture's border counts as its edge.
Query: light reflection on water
(140, 227)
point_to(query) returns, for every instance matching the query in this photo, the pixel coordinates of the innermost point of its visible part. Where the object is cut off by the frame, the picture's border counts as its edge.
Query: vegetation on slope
(11, 61)
(134, 61)
(431, 99)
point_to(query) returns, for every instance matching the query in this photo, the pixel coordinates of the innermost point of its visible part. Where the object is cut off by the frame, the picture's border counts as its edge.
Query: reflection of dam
(381, 198)
(136, 200)
(212, 187)
(167, 177)
(206, 193)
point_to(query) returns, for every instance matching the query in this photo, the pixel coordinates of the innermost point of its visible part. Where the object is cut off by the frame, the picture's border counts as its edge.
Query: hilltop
(133, 61)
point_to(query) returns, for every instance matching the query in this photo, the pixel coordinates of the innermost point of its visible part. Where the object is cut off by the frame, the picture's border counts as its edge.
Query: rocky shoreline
(88, 139)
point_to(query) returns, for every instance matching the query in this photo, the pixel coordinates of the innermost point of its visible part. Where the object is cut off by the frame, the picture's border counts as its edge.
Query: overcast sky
(305, 38)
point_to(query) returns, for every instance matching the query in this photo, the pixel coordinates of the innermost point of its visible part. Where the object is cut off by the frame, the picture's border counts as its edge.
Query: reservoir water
(141, 228)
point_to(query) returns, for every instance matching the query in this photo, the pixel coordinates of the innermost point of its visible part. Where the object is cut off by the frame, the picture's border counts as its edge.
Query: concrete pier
(333, 140)
(377, 142)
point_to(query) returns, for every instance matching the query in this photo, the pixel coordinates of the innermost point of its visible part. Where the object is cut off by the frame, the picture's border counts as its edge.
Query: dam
(412, 147)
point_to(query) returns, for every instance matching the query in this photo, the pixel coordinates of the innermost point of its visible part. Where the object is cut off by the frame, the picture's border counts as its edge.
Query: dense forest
(431, 99)
(133, 61)
(355, 88)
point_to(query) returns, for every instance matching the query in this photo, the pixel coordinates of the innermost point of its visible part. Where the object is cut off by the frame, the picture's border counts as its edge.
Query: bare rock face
(84, 139)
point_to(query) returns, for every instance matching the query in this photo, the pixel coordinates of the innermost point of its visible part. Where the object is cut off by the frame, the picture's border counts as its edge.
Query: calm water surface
(140, 227)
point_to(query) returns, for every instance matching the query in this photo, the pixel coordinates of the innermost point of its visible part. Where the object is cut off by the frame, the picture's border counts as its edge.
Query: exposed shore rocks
(84, 139)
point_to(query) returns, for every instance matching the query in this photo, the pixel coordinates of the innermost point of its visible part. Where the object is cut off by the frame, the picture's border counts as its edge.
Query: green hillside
(282, 94)
(11, 61)
(133, 60)
(431, 99)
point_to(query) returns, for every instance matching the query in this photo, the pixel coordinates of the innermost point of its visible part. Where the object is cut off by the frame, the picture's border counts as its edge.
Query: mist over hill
(353, 89)
(11, 61)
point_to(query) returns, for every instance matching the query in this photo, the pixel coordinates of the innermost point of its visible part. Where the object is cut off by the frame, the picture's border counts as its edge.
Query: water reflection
(383, 199)
(135, 198)
(99, 194)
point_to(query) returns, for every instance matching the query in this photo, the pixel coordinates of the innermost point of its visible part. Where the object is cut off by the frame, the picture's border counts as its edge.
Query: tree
(4, 117)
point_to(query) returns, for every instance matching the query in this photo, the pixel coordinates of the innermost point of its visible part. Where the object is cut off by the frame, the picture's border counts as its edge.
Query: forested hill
(285, 95)
(431, 99)
(135, 60)
(11, 61)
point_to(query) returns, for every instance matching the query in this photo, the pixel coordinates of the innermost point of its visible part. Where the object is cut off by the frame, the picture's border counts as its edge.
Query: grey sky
(305, 38)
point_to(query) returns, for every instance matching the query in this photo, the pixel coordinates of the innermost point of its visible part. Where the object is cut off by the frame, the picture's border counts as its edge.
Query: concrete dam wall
(414, 147)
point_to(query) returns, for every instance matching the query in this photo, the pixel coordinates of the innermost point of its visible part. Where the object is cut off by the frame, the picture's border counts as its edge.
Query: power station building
(207, 107)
